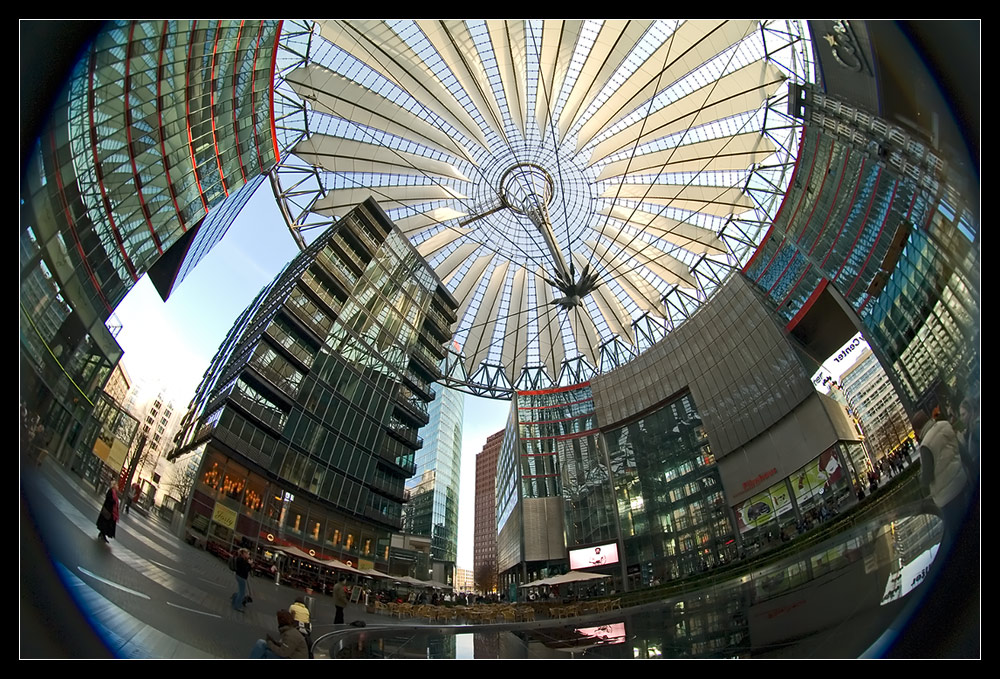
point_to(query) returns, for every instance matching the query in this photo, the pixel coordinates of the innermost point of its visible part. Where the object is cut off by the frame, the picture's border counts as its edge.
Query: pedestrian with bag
(107, 520)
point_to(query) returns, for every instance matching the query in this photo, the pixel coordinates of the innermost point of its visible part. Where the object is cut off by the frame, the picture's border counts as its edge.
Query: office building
(659, 246)
(877, 231)
(306, 420)
(706, 447)
(164, 130)
(118, 384)
(876, 405)
(484, 555)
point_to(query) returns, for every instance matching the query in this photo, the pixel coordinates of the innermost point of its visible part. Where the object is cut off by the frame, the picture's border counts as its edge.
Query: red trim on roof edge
(871, 201)
(788, 233)
(805, 307)
(274, 60)
(555, 390)
(99, 171)
(253, 96)
(909, 211)
(159, 117)
(136, 179)
(236, 74)
(878, 237)
(211, 106)
(795, 171)
(857, 184)
(72, 225)
(187, 114)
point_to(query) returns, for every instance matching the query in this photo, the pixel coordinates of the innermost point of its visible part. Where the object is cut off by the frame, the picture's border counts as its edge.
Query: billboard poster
(763, 507)
(817, 476)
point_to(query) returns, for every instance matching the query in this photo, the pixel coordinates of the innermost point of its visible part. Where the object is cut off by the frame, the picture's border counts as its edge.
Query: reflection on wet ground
(840, 599)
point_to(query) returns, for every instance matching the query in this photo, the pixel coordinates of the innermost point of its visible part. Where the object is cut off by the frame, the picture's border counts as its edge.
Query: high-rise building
(432, 509)
(159, 418)
(874, 402)
(164, 130)
(484, 555)
(119, 384)
(306, 420)
(463, 580)
(877, 226)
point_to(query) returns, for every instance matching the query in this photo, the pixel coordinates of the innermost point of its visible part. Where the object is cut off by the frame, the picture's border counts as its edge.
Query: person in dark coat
(107, 520)
(242, 566)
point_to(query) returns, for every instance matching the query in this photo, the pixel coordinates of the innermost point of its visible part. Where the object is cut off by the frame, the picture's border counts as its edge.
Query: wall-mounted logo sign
(844, 47)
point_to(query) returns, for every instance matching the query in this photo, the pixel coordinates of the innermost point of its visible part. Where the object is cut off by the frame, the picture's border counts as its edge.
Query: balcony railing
(426, 360)
(289, 344)
(280, 381)
(420, 384)
(308, 320)
(331, 302)
(271, 418)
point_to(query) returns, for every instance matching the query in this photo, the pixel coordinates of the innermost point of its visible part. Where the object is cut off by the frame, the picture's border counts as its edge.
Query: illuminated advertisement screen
(613, 633)
(589, 557)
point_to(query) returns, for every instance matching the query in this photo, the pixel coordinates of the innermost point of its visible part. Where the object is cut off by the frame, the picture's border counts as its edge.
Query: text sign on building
(224, 516)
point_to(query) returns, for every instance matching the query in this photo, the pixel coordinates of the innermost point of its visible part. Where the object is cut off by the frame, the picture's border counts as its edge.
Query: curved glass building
(164, 130)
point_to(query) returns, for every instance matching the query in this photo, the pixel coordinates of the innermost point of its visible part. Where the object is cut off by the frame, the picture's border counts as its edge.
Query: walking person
(241, 567)
(107, 520)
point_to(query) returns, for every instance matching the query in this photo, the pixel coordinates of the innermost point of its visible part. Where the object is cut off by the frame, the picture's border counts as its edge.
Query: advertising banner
(762, 508)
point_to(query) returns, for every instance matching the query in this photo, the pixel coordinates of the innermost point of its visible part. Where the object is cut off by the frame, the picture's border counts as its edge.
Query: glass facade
(671, 506)
(432, 509)
(869, 212)
(634, 458)
(561, 456)
(161, 134)
(312, 395)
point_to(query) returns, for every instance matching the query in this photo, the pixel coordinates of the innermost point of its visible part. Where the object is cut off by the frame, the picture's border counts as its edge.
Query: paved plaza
(148, 593)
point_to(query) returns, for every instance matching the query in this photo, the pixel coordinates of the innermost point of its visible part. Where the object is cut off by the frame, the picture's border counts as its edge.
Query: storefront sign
(224, 516)
(760, 478)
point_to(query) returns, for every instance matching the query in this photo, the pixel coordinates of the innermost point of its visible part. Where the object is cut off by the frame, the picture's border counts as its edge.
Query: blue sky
(173, 342)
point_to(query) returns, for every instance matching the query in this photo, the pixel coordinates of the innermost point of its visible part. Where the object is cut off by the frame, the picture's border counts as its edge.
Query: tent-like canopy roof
(580, 186)
(565, 578)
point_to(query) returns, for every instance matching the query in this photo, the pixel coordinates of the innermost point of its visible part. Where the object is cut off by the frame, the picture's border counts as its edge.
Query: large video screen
(589, 557)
